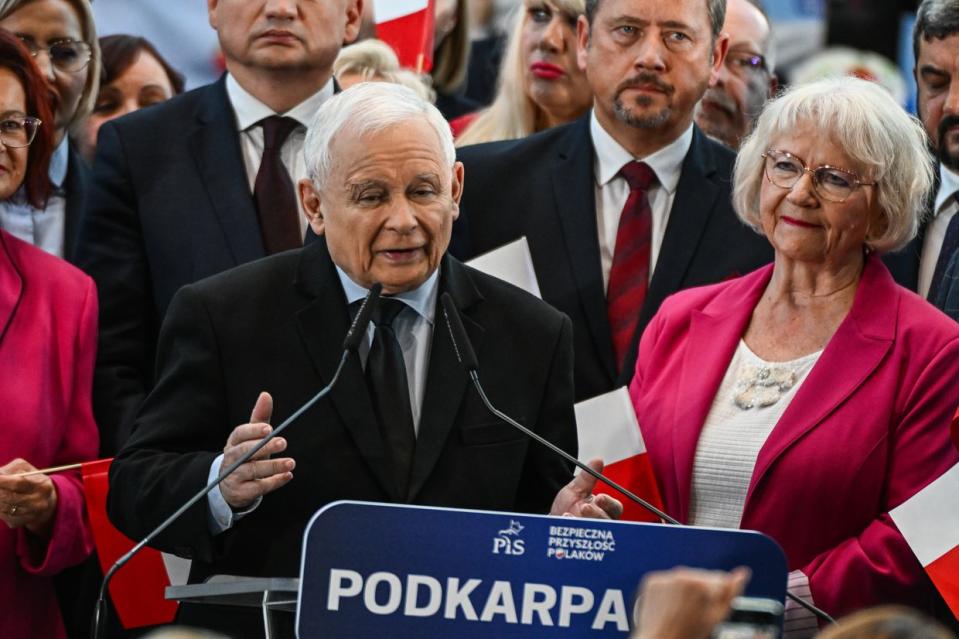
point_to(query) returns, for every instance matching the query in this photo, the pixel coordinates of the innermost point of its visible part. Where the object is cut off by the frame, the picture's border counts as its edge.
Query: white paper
(929, 520)
(177, 569)
(607, 427)
(511, 263)
(386, 10)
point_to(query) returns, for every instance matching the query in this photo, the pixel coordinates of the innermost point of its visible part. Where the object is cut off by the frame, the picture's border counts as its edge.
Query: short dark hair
(935, 19)
(15, 57)
(715, 8)
(120, 51)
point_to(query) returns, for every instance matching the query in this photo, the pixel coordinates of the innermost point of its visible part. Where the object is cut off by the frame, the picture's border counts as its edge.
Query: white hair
(363, 109)
(861, 118)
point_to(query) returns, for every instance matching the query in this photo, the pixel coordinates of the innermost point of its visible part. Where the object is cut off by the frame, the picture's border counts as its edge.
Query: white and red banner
(407, 26)
(607, 429)
(137, 590)
(930, 523)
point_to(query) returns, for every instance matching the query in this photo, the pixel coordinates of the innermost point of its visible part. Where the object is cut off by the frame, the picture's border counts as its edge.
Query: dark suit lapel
(11, 286)
(219, 161)
(446, 381)
(75, 186)
(322, 324)
(695, 198)
(575, 207)
(856, 349)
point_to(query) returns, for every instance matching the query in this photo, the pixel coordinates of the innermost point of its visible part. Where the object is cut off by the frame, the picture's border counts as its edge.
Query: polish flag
(407, 26)
(607, 428)
(929, 521)
(137, 589)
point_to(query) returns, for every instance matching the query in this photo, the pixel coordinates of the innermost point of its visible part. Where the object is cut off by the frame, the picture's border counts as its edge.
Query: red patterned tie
(629, 276)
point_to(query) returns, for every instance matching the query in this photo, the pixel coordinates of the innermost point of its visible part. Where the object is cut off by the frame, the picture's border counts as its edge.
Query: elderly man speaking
(402, 425)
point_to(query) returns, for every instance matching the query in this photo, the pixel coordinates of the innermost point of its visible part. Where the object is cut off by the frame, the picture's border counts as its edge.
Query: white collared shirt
(936, 230)
(250, 111)
(612, 190)
(44, 228)
(414, 331)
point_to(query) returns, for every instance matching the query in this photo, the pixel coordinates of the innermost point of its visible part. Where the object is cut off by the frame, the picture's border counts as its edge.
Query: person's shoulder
(918, 319)
(46, 273)
(252, 283)
(512, 303)
(177, 111)
(710, 150)
(522, 149)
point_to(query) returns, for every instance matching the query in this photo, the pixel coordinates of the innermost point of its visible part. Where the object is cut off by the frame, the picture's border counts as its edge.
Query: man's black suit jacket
(543, 187)
(278, 325)
(170, 204)
(76, 186)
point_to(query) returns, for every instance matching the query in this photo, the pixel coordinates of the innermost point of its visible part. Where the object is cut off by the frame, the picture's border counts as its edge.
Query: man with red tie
(629, 204)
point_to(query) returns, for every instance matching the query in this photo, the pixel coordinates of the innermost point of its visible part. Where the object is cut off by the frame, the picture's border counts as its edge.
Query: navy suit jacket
(543, 187)
(170, 204)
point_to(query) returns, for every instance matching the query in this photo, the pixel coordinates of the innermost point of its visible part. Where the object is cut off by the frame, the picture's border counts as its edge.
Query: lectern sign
(403, 571)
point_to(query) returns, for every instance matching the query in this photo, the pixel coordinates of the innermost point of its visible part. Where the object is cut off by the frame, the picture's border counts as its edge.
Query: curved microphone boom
(353, 337)
(467, 358)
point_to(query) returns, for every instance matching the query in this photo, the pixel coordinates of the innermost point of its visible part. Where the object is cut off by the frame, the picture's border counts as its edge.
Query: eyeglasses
(744, 62)
(834, 184)
(67, 55)
(17, 132)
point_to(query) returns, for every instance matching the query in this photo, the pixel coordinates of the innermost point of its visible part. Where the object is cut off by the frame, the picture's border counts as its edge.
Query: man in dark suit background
(922, 265)
(606, 253)
(417, 433)
(203, 182)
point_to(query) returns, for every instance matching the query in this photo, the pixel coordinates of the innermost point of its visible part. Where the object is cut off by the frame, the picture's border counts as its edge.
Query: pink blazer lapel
(714, 333)
(11, 284)
(858, 347)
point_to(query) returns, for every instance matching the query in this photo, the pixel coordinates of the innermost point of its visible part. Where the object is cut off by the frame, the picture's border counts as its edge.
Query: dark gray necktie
(386, 378)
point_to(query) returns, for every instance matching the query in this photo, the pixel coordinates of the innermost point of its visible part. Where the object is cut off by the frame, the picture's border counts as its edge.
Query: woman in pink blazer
(809, 398)
(48, 312)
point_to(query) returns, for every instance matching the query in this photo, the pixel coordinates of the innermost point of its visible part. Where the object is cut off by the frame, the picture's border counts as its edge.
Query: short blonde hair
(368, 58)
(88, 29)
(373, 59)
(888, 145)
(513, 114)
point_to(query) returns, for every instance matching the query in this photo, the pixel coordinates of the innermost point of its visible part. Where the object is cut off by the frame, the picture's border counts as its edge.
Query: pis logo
(507, 541)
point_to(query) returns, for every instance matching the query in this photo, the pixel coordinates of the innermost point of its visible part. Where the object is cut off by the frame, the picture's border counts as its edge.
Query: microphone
(467, 358)
(350, 344)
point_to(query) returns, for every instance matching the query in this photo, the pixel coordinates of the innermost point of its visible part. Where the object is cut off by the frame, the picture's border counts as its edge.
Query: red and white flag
(929, 521)
(407, 26)
(137, 590)
(607, 428)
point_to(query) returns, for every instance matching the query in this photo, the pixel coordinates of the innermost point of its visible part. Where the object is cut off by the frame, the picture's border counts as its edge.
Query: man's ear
(457, 188)
(582, 42)
(354, 18)
(720, 48)
(211, 12)
(310, 198)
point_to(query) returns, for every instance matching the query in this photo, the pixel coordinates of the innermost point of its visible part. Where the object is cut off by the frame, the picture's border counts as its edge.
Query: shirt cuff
(221, 515)
(798, 622)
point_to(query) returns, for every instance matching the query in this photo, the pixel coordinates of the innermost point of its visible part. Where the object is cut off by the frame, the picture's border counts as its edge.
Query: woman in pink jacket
(809, 398)
(48, 312)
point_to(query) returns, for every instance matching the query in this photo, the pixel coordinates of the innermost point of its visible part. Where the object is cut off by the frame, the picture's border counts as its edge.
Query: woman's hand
(28, 502)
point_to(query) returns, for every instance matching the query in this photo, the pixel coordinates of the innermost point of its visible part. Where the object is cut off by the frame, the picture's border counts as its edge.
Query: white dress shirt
(44, 228)
(612, 190)
(249, 111)
(413, 327)
(936, 229)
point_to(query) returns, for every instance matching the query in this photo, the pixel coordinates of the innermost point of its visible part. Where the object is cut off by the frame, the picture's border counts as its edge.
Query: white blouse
(752, 397)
